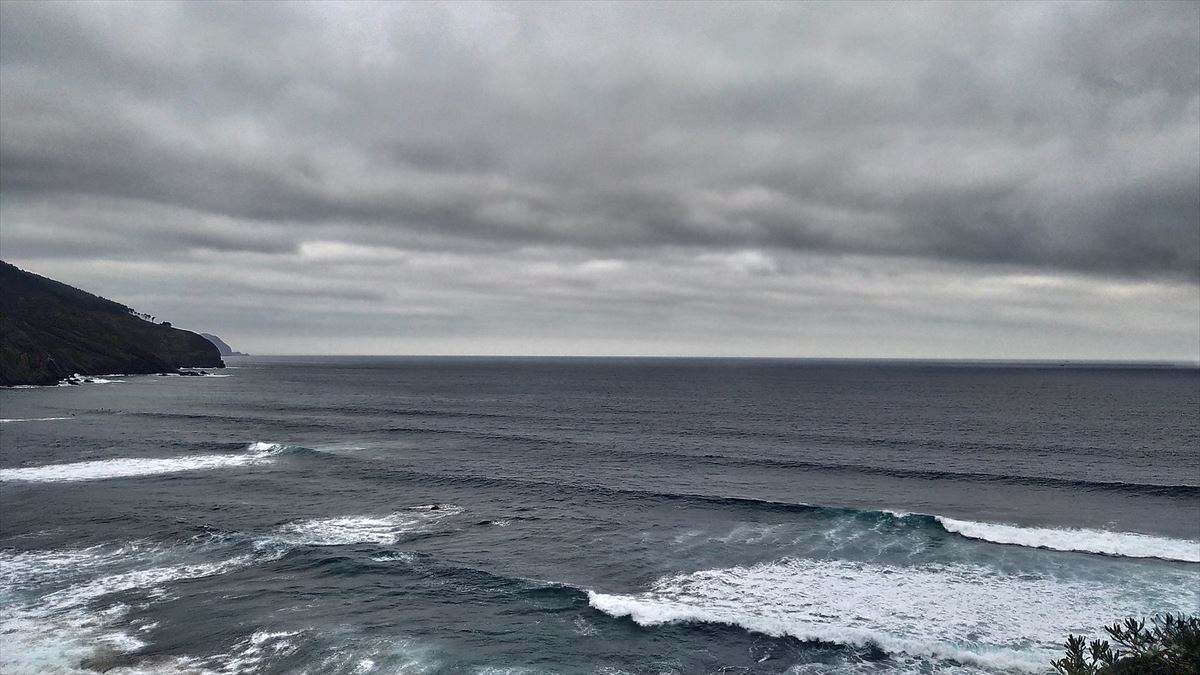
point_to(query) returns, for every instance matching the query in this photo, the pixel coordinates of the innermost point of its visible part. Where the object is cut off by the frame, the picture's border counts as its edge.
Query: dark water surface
(404, 515)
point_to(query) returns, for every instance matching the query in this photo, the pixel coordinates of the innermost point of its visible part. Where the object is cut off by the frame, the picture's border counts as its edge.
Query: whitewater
(124, 467)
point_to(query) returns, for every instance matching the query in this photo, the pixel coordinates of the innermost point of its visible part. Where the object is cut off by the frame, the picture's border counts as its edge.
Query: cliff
(222, 347)
(49, 330)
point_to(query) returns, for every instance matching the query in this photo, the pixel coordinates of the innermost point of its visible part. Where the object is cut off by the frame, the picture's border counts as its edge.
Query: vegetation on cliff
(49, 331)
(1170, 646)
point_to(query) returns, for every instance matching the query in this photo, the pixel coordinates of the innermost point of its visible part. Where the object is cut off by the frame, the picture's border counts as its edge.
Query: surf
(1123, 544)
(949, 611)
(128, 467)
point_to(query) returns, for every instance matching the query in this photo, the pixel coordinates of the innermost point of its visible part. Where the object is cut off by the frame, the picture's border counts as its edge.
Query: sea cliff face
(49, 331)
(222, 346)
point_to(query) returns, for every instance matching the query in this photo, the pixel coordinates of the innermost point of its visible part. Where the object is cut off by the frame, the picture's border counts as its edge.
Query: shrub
(1171, 646)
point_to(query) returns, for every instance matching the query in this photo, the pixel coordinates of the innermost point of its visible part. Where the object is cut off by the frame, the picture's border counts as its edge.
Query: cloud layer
(659, 178)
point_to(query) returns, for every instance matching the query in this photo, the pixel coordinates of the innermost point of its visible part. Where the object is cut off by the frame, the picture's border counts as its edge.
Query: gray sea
(476, 515)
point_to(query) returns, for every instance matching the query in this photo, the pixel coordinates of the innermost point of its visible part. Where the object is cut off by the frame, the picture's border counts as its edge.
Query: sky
(946, 180)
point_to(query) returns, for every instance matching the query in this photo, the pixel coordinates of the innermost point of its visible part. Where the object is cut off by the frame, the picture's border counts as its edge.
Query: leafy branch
(1170, 646)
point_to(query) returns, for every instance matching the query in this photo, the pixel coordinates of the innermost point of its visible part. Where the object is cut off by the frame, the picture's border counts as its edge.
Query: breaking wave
(1124, 544)
(961, 612)
(1081, 540)
(125, 467)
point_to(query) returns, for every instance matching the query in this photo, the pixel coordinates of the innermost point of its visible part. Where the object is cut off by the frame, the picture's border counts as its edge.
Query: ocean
(524, 515)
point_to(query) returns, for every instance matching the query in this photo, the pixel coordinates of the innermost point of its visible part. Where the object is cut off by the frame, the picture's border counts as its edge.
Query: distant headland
(50, 331)
(222, 346)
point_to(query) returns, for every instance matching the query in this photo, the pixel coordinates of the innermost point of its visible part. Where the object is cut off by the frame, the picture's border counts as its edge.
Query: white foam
(124, 467)
(347, 530)
(56, 631)
(80, 594)
(968, 613)
(27, 569)
(356, 655)
(1125, 544)
(891, 666)
(57, 608)
(252, 654)
(584, 627)
(8, 420)
(86, 379)
(398, 556)
(121, 468)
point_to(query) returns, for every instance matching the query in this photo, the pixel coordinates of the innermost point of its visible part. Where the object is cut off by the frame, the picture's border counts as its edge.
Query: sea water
(422, 515)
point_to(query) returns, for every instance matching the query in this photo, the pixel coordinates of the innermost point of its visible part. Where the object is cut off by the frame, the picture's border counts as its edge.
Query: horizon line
(1030, 361)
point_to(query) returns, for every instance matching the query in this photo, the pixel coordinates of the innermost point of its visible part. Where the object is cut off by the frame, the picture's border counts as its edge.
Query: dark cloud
(1059, 138)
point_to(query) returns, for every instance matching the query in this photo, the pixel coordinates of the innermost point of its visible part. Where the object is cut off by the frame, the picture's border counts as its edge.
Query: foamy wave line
(1124, 544)
(124, 467)
(657, 612)
(967, 613)
(155, 577)
(7, 420)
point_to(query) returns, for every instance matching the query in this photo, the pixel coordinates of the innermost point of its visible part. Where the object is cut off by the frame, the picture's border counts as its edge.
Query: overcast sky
(958, 180)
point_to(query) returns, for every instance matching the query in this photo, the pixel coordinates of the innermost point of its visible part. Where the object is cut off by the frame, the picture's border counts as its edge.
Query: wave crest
(967, 613)
(1124, 544)
(126, 467)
